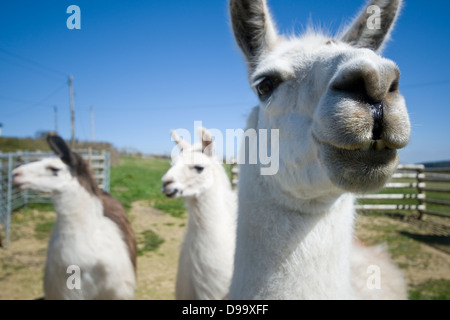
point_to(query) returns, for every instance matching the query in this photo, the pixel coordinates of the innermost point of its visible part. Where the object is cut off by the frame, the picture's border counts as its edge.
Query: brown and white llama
(92, 250)
(206, 257)
(341, 119)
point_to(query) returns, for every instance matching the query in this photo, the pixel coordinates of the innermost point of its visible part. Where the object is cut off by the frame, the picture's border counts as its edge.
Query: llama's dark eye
(53, 170)
(199, 169)
(267, 86)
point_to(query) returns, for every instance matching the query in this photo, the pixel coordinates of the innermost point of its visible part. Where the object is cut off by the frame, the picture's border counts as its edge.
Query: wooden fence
(412, 189)
(404, 191)
(437, 191)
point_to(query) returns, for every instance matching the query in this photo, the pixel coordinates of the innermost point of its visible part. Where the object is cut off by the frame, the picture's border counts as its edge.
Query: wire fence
(12, 198)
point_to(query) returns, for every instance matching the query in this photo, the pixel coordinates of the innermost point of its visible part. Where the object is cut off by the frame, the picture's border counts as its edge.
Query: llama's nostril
(351, 84)
(166, 183)
(394, 86)
(357, 83)
(363, 82)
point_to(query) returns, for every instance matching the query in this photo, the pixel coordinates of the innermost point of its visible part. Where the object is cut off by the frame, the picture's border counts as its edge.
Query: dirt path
(420, 247)
(157, 269)
(424, 253)
(21, 272)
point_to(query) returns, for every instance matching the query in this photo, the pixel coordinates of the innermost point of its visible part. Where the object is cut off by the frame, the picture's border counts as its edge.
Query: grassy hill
(11, 144)
(22, 144)
(437, 164)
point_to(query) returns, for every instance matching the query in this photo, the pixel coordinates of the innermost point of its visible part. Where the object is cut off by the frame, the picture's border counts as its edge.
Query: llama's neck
(75, 205)
(83, 236)
(284, 253)
(211, 229)
(206, 258)
(212, 211)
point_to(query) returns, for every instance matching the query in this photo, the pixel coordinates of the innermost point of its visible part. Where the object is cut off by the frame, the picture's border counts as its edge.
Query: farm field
(420, 248)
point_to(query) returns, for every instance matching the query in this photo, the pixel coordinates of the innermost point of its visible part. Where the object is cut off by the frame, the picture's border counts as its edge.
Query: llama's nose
(166, 183)
(15, 175)
(367, 83)
(168, 190)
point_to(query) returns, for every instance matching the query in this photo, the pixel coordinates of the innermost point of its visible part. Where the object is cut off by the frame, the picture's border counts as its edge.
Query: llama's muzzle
(16, 175)
(366, 82)
(169, 190)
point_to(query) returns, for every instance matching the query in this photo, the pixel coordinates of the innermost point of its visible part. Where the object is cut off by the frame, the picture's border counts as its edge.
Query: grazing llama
(341, 119)
(92, 237)
(206, 258)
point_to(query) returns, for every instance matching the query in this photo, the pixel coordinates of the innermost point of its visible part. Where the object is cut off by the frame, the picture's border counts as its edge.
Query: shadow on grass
(440, 242)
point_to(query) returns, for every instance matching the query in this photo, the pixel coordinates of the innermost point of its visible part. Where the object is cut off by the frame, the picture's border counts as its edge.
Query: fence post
(420, 191)
(90, 156)
(8, 201)
(2, 207)
(106, 170)
(26, 159)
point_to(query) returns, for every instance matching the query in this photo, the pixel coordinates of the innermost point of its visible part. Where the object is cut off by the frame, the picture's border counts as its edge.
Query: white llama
(206, 258)
(341, 119)
(92, 250)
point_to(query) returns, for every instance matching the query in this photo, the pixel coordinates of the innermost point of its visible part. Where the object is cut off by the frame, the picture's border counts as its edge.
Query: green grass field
(140, 179)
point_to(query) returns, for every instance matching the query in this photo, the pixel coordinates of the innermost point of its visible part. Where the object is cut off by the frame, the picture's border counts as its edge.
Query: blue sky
(147, 67)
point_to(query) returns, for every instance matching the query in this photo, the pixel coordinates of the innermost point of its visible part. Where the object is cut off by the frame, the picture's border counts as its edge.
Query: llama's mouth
(16, 183)
(369, 145)
(360, 169)
(19, 185)
(170, 193)
(22, 186)
(374, 153)
(374, 145)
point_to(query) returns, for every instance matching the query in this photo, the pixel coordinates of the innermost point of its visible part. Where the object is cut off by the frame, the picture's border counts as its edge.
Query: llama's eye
(267, 86)
(199, 169)
(54, 170)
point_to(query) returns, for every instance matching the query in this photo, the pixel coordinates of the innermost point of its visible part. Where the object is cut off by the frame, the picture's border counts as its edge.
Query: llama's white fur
(295, 233)
(82, 237)
(206, 258)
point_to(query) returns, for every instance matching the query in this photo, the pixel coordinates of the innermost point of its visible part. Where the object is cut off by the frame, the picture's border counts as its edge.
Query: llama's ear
(373, 26)
(253, 28)
(207, 141)
(59, 146)
(180, 142)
